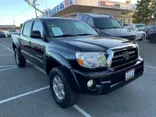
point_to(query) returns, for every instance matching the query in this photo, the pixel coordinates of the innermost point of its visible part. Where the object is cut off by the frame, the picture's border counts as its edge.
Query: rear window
(79, 16)
(12, 30)
(106, 23)
(85, 19)
(138, 26)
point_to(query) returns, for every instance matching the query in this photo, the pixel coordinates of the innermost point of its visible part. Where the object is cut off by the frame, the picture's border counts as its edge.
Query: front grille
(123, 57)
(129, 37)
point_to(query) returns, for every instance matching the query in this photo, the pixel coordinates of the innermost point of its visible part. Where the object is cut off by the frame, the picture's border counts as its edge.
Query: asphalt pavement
(24, 92)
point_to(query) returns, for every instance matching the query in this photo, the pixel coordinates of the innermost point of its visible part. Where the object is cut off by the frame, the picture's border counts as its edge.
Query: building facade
(70, 8)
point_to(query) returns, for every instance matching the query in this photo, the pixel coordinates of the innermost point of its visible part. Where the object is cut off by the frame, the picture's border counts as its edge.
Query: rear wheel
(143, 37)
(19, 59)
(61, 91)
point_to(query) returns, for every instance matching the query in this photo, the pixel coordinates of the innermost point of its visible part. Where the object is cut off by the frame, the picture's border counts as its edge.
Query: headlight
(91, 59)
(137, 45)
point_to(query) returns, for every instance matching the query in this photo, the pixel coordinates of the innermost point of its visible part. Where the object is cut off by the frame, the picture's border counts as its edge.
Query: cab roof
(94, 15)
(49, 18)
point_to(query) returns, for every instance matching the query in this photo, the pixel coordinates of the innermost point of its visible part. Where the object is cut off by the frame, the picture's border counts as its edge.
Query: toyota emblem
(126, 56)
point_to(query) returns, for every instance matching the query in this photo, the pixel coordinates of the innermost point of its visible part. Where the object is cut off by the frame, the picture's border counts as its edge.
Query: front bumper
(107, 81)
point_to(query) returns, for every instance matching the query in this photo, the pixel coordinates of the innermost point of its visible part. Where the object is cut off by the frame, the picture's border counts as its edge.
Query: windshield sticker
(56, 31)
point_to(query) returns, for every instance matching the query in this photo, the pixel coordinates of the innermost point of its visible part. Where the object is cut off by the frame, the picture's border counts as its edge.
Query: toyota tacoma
(76, 59)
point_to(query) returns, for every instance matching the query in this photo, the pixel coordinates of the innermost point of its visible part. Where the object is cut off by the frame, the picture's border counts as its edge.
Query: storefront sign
(109, 4)
(60, 7)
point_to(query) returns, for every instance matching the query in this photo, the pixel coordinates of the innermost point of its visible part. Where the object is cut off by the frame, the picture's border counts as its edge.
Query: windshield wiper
(65, 35)
(110, 27)
(84, 34)
(115, 27)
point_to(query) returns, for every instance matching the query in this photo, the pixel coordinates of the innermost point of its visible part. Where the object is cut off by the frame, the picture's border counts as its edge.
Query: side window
(90, 22)
(85, 19)
(27, 29)
(79, 16)
(38, 27)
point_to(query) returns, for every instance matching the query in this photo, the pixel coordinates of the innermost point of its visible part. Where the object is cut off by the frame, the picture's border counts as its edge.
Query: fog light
(90, 83)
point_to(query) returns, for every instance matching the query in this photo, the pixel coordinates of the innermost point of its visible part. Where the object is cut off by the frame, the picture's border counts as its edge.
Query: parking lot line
(81, 111)
(7, 48)
(2, 49)
(6, 54)
(8, 69)
(8, 66)
(150, 66)
(24, 94)
(75, 106)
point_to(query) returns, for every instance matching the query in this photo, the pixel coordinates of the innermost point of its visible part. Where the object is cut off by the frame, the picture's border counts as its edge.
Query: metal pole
(46, 8)
(34, 2)
(14, 23)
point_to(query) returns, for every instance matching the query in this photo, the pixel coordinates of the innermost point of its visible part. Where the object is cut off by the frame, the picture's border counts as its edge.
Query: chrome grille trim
(110, 57)
(112, 51)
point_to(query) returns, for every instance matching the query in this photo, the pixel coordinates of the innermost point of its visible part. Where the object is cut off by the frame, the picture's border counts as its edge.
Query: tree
(144, 11)
(21, 25)
(153, 5)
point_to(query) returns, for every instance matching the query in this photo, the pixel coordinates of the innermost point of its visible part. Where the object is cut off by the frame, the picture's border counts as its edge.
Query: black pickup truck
(76, 59)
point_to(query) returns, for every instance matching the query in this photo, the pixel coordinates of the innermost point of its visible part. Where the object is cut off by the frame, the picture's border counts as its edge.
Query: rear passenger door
(37, 44)
(25, 38)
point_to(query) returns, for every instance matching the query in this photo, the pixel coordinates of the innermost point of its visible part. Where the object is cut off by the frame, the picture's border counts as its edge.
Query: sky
(18, 11)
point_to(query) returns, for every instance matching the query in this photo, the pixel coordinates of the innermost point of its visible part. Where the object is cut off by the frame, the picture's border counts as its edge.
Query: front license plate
(130, 74)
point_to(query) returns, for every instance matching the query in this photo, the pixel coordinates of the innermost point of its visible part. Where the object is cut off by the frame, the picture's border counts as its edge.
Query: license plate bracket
(130, 74)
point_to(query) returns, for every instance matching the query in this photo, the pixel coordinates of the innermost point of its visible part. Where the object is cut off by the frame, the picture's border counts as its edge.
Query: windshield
(132, 28)
(138, 26)
(107, 23)
(12, 30)
(62, 28)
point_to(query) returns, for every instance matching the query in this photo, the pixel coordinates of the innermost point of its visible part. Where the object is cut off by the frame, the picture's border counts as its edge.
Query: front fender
(15, 41)
(66, 68)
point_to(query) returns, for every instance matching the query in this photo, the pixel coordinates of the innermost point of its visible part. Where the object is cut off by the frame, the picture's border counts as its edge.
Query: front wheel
(143, 37)
(61, 91)
(19, 59)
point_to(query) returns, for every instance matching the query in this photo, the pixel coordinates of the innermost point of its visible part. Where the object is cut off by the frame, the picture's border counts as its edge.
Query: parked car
(10, 32)
(151, 35)
(76, 59)
(140, 35)
(2, 34)
(150, 27)
(141, 27)
(106, 25)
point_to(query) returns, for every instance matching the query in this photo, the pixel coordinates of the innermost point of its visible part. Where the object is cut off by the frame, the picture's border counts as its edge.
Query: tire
(68, 98)
(19, 59)
(143, 37)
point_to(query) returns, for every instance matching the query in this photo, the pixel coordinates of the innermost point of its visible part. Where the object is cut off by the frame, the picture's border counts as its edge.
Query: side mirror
(97, 30)
(35, 34)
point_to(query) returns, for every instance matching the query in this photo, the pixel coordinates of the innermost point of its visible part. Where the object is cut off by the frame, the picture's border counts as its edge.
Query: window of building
(129, 21)
(124, 21)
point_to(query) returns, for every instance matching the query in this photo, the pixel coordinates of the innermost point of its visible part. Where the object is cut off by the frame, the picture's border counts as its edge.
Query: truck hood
(95, 43)
(117, 32)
